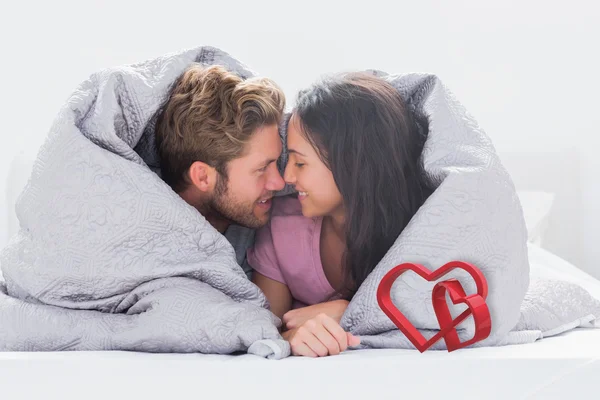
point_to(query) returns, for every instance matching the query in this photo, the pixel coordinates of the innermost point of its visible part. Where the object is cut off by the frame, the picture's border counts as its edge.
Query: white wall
(527, 70)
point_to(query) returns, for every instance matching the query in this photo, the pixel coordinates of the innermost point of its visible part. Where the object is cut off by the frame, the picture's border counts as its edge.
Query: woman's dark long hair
(361, 128)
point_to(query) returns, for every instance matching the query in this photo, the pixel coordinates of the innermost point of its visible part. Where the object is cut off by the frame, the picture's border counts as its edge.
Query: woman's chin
(306, 213)
(310, 213)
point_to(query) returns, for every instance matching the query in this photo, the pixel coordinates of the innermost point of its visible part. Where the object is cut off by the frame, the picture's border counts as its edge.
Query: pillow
(536, 209)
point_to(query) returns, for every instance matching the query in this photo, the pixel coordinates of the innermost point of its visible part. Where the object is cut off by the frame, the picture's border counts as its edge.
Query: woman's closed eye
(299, 165)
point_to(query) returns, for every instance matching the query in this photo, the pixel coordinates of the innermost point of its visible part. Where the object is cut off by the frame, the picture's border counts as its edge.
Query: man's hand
(334, 309)
(319, 337)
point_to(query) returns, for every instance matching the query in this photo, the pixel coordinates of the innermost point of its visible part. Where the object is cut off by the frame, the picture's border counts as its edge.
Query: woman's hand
(319, 337)
(334, 309)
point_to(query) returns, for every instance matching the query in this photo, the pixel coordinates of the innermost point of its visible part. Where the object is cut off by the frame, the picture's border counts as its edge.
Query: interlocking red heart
(475, 303)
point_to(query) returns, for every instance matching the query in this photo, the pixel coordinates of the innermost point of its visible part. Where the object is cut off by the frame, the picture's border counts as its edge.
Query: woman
(354, 152)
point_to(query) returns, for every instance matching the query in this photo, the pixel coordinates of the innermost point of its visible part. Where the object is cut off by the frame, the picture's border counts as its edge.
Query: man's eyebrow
(268, 162)
(295, 151)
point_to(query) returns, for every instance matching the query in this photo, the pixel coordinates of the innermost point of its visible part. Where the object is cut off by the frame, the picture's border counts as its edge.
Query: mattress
(563, 366)
(566, 365)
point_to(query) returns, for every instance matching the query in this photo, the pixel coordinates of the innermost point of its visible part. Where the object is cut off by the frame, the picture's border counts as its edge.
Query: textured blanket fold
(108, 257)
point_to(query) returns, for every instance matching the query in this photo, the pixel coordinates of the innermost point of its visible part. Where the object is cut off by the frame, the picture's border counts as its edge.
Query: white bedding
(564, 366)
(551, 368)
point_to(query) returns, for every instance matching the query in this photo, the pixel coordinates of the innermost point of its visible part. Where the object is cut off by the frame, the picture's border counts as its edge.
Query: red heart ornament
(476, 305)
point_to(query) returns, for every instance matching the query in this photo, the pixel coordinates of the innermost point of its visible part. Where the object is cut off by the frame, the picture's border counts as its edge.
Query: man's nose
(275, 181)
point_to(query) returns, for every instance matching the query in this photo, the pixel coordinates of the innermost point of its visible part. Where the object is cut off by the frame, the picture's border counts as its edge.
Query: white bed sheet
(565, 366)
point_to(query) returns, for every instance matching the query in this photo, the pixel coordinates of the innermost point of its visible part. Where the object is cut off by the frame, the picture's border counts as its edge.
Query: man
(218, 142)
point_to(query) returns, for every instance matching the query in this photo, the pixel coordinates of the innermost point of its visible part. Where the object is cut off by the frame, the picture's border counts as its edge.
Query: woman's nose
(288, 175)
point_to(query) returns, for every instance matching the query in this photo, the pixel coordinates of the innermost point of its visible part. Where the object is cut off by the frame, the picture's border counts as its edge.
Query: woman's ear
(202, 176)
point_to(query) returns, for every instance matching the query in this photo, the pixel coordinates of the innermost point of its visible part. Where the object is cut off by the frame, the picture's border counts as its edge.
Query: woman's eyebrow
(296, 152)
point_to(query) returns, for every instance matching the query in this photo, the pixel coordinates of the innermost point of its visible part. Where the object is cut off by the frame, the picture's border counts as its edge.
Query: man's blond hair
(209, 117)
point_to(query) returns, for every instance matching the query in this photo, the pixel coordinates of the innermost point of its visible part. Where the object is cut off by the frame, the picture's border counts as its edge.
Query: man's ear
(202, 176)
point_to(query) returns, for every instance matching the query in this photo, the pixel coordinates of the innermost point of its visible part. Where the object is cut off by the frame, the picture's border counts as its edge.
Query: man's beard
(228, 207)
